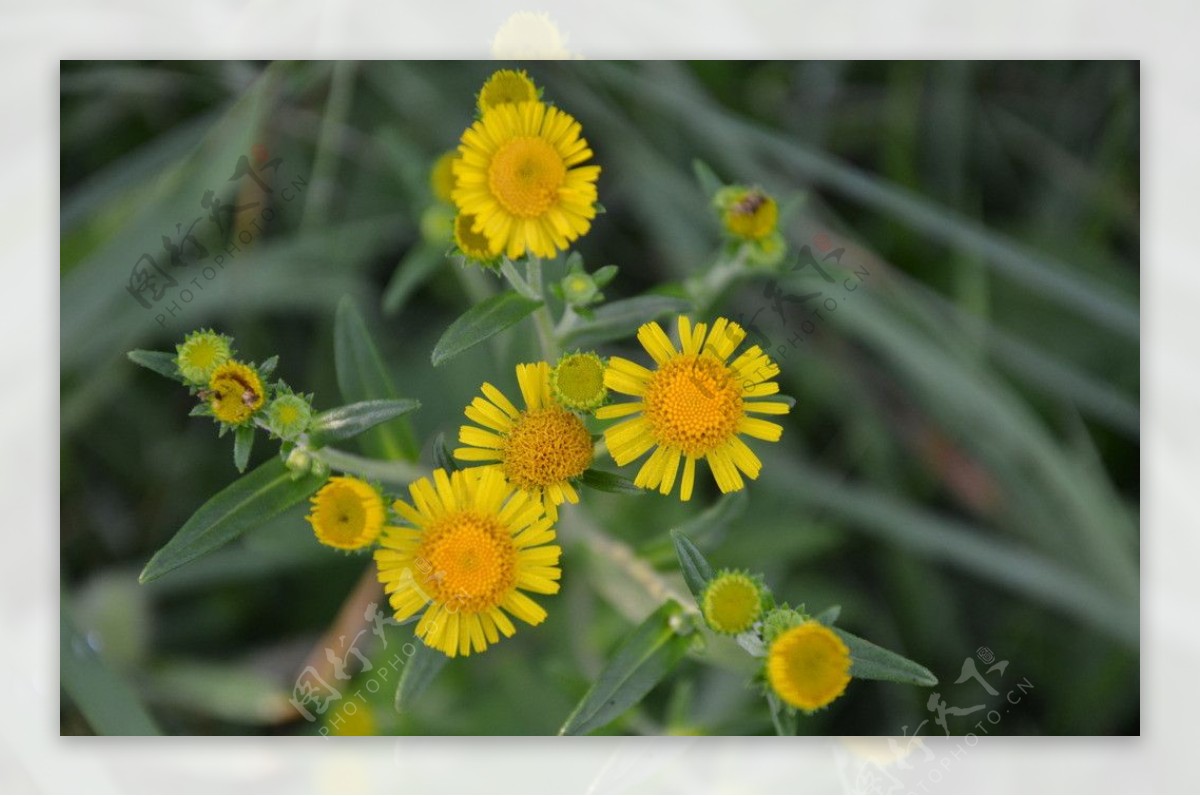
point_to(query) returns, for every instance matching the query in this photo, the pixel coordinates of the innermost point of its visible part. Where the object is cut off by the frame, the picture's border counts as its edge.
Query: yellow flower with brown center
(519, 174)
(441, 176)
(476, 546)
(474, 245)
(749, 213)
(539, 449)
(347, 514)
(808, 666)
(507, 87)
(235, 392)
(694, 405)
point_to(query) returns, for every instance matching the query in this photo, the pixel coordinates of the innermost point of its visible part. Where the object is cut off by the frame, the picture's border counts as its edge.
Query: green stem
(541, 316)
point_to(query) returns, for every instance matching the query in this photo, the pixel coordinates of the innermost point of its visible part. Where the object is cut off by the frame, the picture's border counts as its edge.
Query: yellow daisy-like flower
(750, 213)
(732, 602)
(519, 174)
(347, 514)
(507, 87)
(694, 405)
(476, 547)
(808, 666)
(441, 176)
(577, 381)
(537, 450)
(474, 245)
(200, 354)
(235, 392)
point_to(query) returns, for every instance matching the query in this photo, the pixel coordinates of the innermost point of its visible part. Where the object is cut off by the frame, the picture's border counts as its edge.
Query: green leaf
(697, 572)
(872, 662)
(353, 419)
(361, 376)
(243, 441)
(604, 275)
(610, 482)
(422, 666)
(485, 319)
(412, 272)
(267, 368)
(105, 699)
(639, 664)
(243, 505)
(709, 182)
(829, 615)
(441, 454)
(782, 716)
(160, 362)
(621, 318)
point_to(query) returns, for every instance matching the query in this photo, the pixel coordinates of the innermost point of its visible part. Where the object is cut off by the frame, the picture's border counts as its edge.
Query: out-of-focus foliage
(960, 472)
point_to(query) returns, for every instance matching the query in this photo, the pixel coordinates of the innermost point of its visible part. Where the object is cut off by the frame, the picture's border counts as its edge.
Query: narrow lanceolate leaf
(243, 441)
(352, 419)
(697, 572)
(710, 183)
(441, 454)
(622, 318)
(610, 482)
(639, 664)
(481, 322)
(105, 699)
(419, 670)
(872, 662)
(361, 376)
(160, 362)
(243, 505)
(829, 615)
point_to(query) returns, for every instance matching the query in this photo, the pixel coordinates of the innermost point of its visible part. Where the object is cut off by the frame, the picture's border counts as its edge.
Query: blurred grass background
(961, 470)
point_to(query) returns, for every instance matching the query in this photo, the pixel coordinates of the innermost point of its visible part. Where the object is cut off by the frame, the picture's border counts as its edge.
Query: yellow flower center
(731, 603)
(471, 561)
(754, 215)
(506, 86)
(235, 393)
(525, 175)
(473, 244)
(808, 666)
(546, 446)
(693, 403)
(347, 513)
(578, 380)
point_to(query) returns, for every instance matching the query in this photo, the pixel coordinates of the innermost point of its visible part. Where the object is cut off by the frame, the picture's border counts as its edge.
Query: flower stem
(541, 316)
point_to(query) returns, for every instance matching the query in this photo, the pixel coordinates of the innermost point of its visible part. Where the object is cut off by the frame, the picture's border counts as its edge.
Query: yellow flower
(347, 514)
(537, 450)
(748, 212)
(694, 405)
(578, 381)
(475, 547)
(235, 392)
(507, 87)
(519, 174)
(808, 666)
(732, 602)
(200, 354)
(441, 176)
(474, 245)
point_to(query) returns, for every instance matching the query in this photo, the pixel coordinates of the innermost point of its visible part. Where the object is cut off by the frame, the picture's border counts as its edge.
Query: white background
(34, 36)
